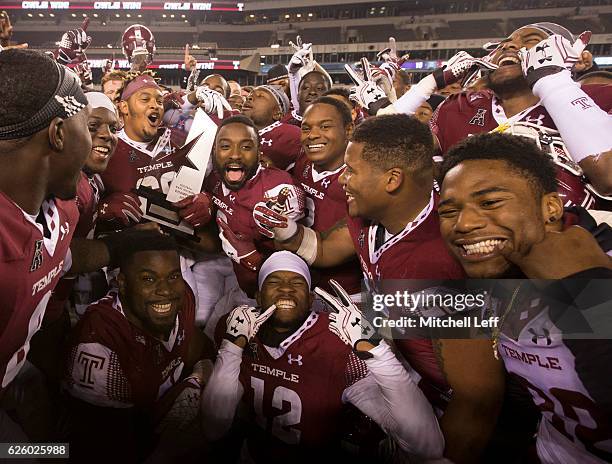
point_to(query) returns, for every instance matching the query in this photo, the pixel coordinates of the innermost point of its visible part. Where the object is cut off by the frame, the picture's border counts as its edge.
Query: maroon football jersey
(30, 267)
(280, 143)
(153, 166)
(236, 208)
(293, 118)
(417, 252)
(293, 393)
(113, 363)
(469, 113)
(88, 195)
(325, 206)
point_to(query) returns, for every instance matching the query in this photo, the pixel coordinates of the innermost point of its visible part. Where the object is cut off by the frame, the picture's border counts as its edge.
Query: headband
(143, 81)
(66, 101)
(280, 96)
(283, 261)
(99, 100)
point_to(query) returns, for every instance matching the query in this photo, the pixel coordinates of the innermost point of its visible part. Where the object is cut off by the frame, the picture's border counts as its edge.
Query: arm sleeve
(223, 392)
(96, 377)
(392, 398)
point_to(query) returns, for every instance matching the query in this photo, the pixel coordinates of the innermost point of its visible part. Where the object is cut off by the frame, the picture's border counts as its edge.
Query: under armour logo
(325, 183)
(234, 329)
(297, 359)
(356, 322)
(267, 142)
(479, 118)
(542, 50)
(232, 198)
(583, 102)
(537, 121)
(132, 156)
(361, 239)
(180, 337)
(37, 260)
(537, 337)
(240, 321)
(103, 209)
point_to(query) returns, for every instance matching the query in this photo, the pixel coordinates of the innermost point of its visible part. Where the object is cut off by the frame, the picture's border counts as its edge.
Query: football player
(529, 91)
(112, 84)
(501, 216)
(103, 125)
(44, 143)
(237, 184)
(266, 105)
(271, 363)
(131, 350)
(312, 85)
(393, 227)
(326, 130)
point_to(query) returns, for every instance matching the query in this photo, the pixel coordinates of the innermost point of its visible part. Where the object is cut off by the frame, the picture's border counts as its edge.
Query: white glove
(302, 56)
(347, 322)
(211, 101)
(271, 217)
(551, 55)
(366, 92)
(391, 64)
(245, 321)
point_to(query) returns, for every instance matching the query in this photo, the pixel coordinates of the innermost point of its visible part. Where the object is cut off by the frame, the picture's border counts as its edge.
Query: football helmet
(574, 187)
(138, 39)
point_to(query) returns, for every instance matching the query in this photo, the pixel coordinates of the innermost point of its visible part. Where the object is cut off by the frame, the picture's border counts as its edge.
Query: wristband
(309, 246)
(415, 97)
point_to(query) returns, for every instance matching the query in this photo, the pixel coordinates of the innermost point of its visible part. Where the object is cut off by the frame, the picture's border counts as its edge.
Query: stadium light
(95, 15)
(275, 46)
(299, 15)
(52, 15)
(310, 15)
(29, 15)
(73, 15)
(164, 16)
(128, 15)
(41, 15)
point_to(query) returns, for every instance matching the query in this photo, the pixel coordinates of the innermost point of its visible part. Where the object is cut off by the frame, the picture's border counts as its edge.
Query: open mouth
(285, 303)
(349, 197)
(315, 147)
(100, 152)
(235, 173)
(482, 249)
(508, 60)
(161, 308)
(154, 119)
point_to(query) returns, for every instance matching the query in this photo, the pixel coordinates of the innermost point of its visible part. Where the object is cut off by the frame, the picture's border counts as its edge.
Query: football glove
(457, 67)
(347, 321)
(211, 101)
(271, 220)
(73, 44)
(391, 64)
(302, 56)
(245, 321)
(237, 248)
(366, 92)
(123, 208)
(552, 55)
(195, 209)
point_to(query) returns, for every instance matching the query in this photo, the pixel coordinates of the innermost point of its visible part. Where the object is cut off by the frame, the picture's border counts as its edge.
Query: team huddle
(142, 321)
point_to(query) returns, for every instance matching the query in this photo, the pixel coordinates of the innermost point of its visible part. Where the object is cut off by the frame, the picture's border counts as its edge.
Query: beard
(505, 88)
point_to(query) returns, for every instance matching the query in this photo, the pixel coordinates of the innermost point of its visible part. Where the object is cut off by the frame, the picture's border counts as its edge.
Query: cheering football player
(271, 362)
(501, 217)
